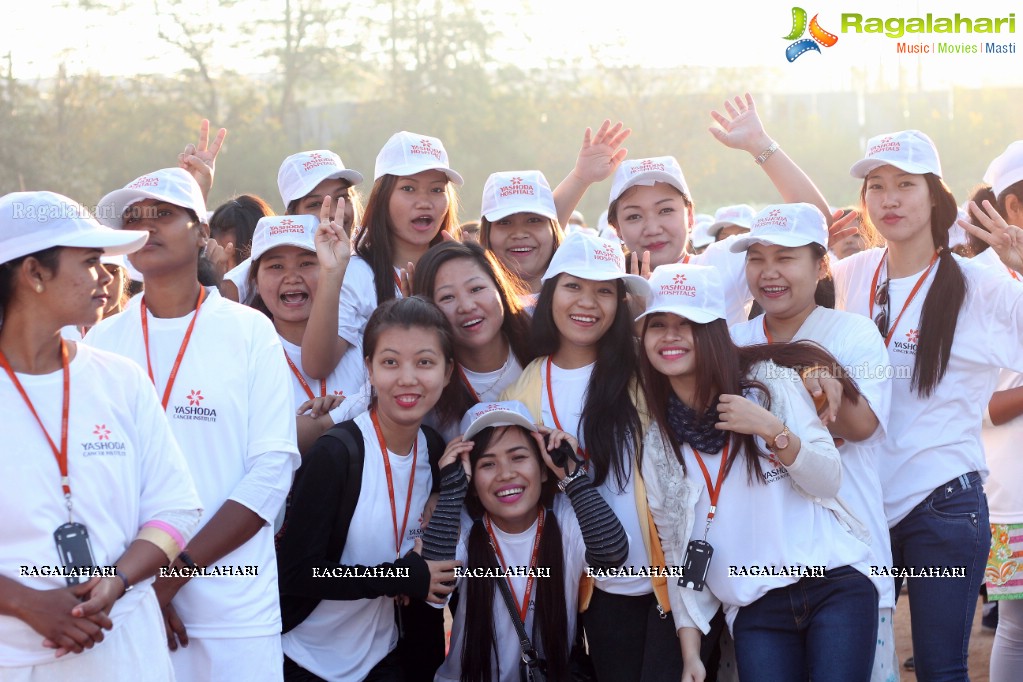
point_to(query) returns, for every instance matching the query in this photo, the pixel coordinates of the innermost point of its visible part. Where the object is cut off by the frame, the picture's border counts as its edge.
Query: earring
(39, 288)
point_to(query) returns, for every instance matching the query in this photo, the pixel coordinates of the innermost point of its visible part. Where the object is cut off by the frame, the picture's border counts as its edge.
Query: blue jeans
(949, 529)
(823, 629)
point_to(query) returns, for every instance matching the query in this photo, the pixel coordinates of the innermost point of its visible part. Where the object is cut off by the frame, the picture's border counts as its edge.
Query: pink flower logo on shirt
(340, 393)
(679, 279)
(195, 398)
(913, 336)
(101, 432)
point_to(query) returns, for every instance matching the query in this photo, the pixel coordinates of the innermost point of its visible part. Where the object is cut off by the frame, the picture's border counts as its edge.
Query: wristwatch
(781, 441)
(564, 483)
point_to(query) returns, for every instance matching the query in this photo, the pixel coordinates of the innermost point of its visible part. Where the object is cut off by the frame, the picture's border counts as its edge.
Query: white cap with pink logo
(170, 185)
(694, 292)
(504, 413)
(1007, 169)
(908, 150)
(284, 230)
(408, 153)
(587, 256)
(740, 215)
(301, 173)
(647, 172)
(511, 192)
(785, 225)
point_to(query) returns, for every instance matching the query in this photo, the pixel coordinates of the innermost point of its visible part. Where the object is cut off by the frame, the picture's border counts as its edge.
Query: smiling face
(783, 279)
(408, 370)
(338, 190)
(899, 205)
(524, 243)
(470, 300)
(668, 343)
(175, 238)
(417, 208)
(286, 280)
(507, 478)
(583, 309)
(655, 219)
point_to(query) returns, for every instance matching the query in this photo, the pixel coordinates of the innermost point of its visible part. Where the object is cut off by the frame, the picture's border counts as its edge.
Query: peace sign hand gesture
(1005, 239)
(200, 160)
(333, 245)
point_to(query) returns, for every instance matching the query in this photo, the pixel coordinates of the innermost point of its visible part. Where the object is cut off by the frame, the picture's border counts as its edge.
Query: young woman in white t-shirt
(411, 207)
(219, 369)
(584, 383)
(125, 484)
(738, 459)
(949, 324)
(514, 520)
(491, 328)
(350, 632)
(786, 269)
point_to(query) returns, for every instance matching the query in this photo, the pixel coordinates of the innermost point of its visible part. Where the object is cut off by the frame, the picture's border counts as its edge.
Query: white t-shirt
(490, 385)
(342, 381)
(769, 524)
(239, 276)
(857, 346)
(343, 640)
(1004, 487)
(569, 390)
(517, 549)
(933, 440)
(124, 468)
(732, 268)
(235, 423)
(358, 301)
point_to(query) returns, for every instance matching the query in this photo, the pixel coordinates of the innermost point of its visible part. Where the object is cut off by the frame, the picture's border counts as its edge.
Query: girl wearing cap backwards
(218, 367)
(412, 204)
(742, 479)
(127, 500)
(513, 518)
(786, 265)
(1001, 436)
(584, 382)
(341, 625)
(491, 327)
(950, 324)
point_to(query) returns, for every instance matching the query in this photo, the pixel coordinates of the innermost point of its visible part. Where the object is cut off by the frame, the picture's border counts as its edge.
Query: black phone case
(696, 565)
(74, 549)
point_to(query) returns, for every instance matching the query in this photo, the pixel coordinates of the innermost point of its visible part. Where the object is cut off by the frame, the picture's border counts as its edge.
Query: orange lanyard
(1012, 273)
(684, 259)
(766, 333)
(713, 491)
(912, 294)
(550, 399)
(465, 380)
(59, 453)
(181, 350)
(524, 609)
(390, 482)
(302, 381)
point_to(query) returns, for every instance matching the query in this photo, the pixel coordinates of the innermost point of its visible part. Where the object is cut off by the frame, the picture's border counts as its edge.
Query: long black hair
(945, 298)
(610, 426)
(550, 620)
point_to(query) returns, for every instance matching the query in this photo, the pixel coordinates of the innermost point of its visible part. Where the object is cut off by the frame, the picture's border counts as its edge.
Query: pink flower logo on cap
(517, 186)
(677, 287)
(145, 181)
(647, 165)
(886, 144)
(287, 226)
(608, 253)
(773, 217)
(425, 147)
(316, 160)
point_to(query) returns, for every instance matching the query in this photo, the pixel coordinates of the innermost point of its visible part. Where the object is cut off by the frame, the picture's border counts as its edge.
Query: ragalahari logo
(803, 45)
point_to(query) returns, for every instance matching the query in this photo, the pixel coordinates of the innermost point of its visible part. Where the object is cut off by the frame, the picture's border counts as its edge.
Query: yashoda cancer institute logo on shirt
(194, 410)
(907, 347)
(101, 432)
(818, 36)
(103, 445)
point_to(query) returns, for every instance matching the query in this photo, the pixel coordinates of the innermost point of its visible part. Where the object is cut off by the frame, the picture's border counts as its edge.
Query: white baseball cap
(785, 225)
(908, 150)
(408, 153)
(171, 185)
(694, 292)
(589, 257)
(740, 215)
(301, 173)
(647, 172)
(34, 221)
(511, 192)
(1006, 170)
(506, 413)
(699, 235)
(284, 230)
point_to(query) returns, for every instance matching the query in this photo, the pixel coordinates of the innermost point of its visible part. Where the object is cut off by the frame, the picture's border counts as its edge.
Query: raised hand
(641, 266)
(200, 159)
(457, 450)
(1006, 240)
(842, 227)
(742, 128)
(601, 152)
(550, 440)
(219, 257)
(333, 245)
(320, 405)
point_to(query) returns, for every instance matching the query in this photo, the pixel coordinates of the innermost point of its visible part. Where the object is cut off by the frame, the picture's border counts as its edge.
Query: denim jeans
(823, 629)
(949, 529)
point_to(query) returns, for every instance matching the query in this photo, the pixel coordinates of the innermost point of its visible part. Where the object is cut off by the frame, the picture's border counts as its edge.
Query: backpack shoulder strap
(355, 448)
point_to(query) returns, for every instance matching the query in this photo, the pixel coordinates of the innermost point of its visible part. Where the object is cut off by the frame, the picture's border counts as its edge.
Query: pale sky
(651, 33)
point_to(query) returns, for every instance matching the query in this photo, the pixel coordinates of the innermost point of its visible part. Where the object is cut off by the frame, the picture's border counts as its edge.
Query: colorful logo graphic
(817, 35)
(195, 398)
(101, 432)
